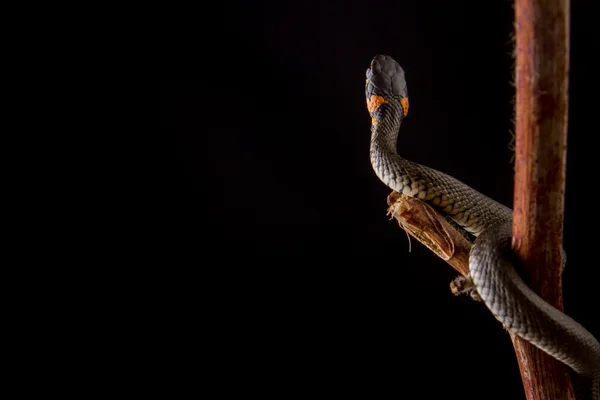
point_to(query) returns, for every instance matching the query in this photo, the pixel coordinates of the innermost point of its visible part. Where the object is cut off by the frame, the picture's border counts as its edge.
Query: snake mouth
(385, 77)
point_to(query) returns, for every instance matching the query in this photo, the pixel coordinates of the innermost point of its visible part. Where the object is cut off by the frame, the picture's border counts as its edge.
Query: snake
(492, 264)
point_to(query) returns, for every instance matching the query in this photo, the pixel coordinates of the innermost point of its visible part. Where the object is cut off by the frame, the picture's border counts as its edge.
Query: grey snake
(491, 262)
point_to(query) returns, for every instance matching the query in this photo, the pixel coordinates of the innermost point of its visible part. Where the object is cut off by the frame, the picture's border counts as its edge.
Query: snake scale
(504, 293)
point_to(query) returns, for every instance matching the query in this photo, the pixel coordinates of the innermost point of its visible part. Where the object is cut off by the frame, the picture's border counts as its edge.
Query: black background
(288, 267)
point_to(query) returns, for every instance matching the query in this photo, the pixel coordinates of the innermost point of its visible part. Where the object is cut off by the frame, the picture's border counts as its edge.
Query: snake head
(385, 82)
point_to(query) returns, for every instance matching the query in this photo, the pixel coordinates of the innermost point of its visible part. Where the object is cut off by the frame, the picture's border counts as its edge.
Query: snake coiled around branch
(491, 261)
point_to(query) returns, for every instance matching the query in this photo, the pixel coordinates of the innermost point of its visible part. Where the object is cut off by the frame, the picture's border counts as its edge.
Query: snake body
(491, 262)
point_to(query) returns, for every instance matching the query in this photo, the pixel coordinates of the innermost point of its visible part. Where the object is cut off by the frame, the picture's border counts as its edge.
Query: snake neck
(470, 209)
(386, 124)
(397, 173)
(389, 167)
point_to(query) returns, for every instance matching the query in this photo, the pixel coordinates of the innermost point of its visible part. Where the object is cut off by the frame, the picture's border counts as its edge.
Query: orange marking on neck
(374, 103)
(404, 104)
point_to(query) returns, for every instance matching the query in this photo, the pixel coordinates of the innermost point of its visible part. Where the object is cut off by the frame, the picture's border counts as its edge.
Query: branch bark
(542, 44)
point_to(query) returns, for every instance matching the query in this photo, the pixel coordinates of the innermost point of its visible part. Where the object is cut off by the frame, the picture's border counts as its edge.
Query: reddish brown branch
(542, 34)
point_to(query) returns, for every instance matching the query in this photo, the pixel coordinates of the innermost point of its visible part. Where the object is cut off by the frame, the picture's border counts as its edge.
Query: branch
(542, 35)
